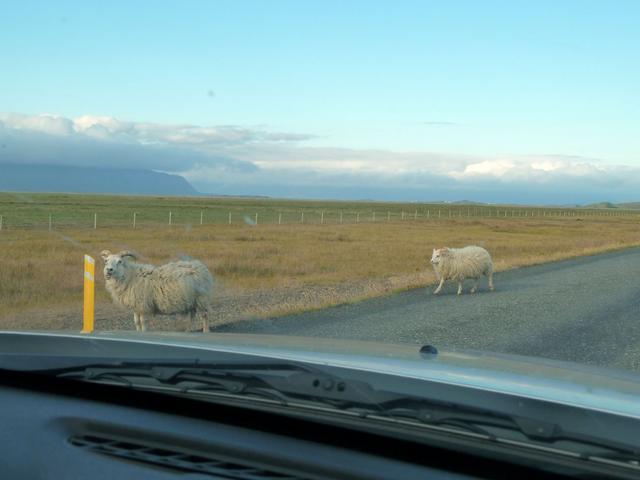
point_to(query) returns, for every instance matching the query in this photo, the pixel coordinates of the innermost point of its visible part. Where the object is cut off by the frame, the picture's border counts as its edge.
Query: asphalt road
(585, 310)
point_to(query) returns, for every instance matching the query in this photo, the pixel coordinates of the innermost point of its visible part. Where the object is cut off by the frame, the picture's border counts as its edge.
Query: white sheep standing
(174, 288)
(460, 263)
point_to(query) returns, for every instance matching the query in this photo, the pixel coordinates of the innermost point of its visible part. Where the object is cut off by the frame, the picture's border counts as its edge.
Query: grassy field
(318, 265)
(36, 210)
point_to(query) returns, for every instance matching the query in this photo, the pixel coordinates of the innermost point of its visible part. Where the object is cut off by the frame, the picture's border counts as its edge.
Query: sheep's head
(115, 264)
(437, 255)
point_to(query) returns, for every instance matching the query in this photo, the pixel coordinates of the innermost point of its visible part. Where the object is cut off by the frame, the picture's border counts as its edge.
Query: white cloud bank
(241, 160)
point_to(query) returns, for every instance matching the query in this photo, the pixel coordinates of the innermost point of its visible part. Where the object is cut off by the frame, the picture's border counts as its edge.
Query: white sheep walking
(174, 288)
(460, 263)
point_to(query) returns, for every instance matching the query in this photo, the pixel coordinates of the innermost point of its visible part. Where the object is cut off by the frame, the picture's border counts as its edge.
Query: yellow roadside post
(89, 294)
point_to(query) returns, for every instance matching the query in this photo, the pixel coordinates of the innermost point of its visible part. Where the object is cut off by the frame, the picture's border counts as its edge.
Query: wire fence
(141, 218)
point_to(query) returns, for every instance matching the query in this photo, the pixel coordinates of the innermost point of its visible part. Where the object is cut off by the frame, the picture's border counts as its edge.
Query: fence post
(89, 294)
(95, 221)
(402, 217)
(134, 219)
(373, 216)
(200, 217)
(358, 217)
(170, 215)
(229, 218)
(256, 218)
(321, 218)
(340, 216)
(388, 216)
(301, 217)
(50, 221)
(415, 215)
(0, 222)
(280, 218)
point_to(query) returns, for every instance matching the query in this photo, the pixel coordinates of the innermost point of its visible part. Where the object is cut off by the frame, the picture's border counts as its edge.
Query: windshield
(463, 175)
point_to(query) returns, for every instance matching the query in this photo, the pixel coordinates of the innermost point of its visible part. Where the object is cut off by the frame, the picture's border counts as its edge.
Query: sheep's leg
(136, 321)
(460, 287)
(491, 281)
(143, 326)
(475, 285)
(437, 290)
(205, 321)
(192, 317)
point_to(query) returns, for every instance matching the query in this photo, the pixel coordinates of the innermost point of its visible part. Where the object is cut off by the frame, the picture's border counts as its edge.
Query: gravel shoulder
(226, 308)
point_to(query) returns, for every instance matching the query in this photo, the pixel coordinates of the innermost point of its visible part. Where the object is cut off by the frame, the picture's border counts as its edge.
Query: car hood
(600, 389)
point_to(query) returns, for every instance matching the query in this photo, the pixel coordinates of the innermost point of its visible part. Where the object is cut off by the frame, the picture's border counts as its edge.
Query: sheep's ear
(128, 253)
(105, 254)
(444, 249)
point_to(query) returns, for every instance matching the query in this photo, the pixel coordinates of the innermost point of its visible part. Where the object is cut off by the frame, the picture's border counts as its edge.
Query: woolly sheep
(460, 263)
(174, 288)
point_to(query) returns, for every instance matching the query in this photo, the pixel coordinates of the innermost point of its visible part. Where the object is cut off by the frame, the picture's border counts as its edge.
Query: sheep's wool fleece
(177, 287)
(461, 263)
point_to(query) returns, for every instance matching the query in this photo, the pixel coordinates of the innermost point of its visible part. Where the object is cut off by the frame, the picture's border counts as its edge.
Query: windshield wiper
(283, 382)
(544, 435)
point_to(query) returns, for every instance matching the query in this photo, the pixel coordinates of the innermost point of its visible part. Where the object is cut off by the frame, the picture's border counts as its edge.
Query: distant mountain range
(58, 178)
(624, 205)
(627, 205)
(68, 179)
(605, 205)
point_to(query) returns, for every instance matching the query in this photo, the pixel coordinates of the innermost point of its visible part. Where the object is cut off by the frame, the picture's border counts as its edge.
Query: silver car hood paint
(612, 391)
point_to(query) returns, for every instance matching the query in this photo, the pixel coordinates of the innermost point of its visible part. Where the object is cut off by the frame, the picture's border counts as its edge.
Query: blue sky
(503, 85)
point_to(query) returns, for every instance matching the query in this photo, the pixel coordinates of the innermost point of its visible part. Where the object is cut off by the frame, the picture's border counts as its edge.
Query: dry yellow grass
(328, 264)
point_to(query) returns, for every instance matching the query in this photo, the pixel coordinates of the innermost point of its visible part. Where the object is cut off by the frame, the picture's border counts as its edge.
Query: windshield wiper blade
(284, 382)
(195, 383)
(465, 419)
(541, 434)
(173, 376)
(631, 457)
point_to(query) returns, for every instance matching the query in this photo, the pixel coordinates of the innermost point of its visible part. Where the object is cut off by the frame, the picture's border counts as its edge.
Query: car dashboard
(60, 428)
